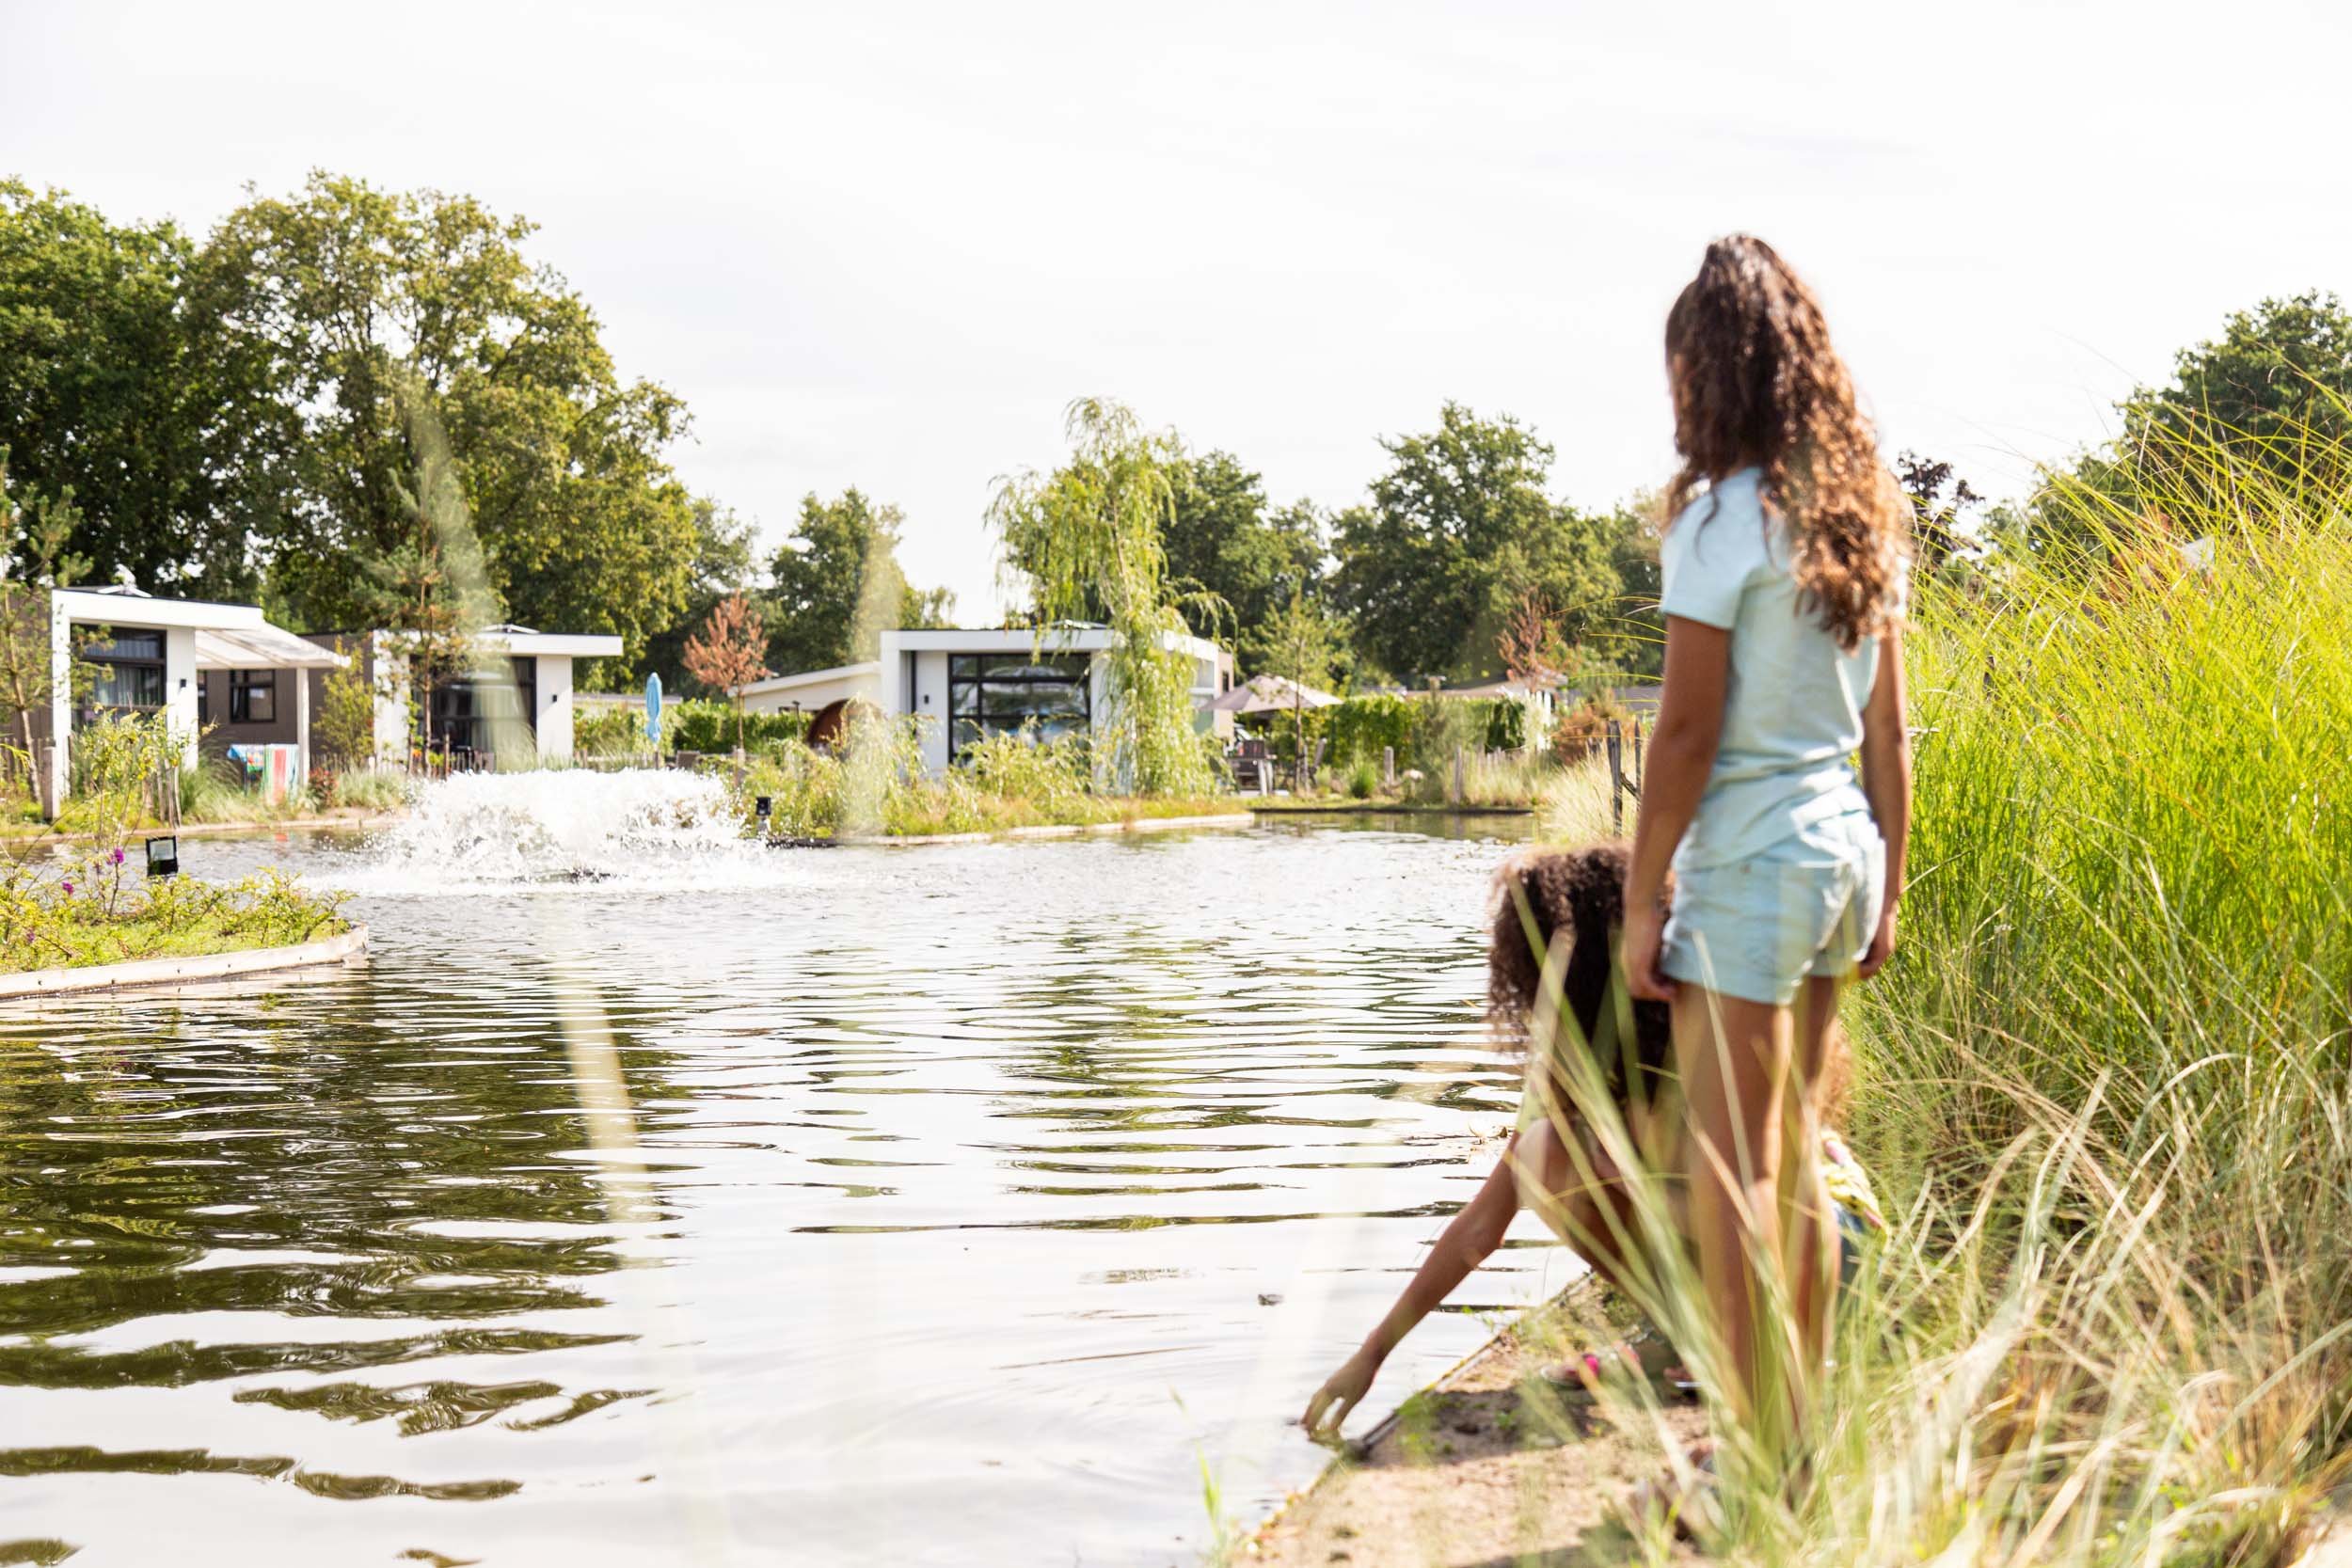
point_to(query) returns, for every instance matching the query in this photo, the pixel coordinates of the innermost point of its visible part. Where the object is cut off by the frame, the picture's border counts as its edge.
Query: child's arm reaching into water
(1467, 1242)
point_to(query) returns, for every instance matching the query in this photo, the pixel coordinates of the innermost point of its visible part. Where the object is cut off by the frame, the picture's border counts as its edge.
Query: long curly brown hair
(1755, 381)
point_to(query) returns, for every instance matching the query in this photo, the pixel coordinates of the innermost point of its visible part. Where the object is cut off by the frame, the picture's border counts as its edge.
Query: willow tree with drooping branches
(1087, 541)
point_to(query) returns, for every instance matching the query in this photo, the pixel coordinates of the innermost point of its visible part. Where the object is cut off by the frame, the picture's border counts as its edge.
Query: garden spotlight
(163, 856)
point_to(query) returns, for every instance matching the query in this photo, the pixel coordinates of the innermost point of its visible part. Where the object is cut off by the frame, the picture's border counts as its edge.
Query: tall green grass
(2106, 1085)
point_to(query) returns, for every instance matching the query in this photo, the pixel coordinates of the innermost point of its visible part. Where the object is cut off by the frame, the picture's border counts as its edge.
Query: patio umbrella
(1271, 694)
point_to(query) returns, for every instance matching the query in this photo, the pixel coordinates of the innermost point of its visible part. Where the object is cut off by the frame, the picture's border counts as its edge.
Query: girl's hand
(1644, 951)
(1338, 1396)
(1882, 944)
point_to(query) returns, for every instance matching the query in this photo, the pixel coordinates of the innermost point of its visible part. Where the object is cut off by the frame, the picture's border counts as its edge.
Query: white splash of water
(642, 829)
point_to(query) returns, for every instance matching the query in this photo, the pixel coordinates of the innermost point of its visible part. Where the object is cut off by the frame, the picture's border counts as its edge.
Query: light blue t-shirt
(1792, 707)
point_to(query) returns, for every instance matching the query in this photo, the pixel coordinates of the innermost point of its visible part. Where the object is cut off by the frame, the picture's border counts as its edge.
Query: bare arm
(1886, 781)
(1681, 755)
(1467, 1242)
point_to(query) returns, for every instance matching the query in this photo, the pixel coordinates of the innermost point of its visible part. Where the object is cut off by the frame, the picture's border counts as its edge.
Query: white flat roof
(812, 677)
(576, 645)
(228, 636)
(93, 607)
(1052, 639)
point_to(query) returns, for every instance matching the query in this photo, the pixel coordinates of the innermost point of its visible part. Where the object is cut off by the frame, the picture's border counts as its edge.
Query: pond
(648, 1199)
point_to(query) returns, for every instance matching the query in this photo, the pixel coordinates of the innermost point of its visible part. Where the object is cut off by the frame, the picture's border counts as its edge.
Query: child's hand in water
(1338, 1396)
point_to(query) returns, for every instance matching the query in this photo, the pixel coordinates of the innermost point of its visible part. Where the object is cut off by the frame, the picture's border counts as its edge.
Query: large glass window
(252, 696)
(999, 693)
(130, 671)
(465, 706)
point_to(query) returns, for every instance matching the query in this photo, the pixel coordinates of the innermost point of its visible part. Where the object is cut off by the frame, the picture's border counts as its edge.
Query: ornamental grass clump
(2107, 1084)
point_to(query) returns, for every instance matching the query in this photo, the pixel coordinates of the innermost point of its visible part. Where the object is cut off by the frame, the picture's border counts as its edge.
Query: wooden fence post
(1388, 768)
(1454, 797)
(1616, 779)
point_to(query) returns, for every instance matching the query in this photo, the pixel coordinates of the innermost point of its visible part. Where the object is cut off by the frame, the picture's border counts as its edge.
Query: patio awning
(261, 647)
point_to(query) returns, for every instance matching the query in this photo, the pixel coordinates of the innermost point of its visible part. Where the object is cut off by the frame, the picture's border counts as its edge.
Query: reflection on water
(905, 1206)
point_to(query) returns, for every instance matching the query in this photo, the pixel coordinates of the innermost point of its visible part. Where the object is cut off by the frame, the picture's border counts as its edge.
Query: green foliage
(1361, 727)
(342, 731)
(100, 910)
(1459, 529)
(1090, 535)
(370, 789)
(336, 296)
(876, 784)
(2260, 415)
(1363, 780)
(1222, 541)
(116, 760)
(708, 725)
(836, 586)
(604, 731)
(1506, 724)
(123, 395)
(2105, 1074)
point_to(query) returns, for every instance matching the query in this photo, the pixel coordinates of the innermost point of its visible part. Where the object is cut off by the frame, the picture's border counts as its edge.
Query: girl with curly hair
(1784, 567)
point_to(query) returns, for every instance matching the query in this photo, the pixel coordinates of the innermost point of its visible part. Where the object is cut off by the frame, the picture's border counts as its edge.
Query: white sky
(883, 245)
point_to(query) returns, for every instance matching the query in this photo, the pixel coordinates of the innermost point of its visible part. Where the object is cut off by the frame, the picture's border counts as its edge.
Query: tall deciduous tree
(119, 387)
(1224, 541)
(341, 293)
(836, 586)
(427, 583)
(1092, 533)
(2271, 396)
(1459, 527)
(36, 534)
(728, 654)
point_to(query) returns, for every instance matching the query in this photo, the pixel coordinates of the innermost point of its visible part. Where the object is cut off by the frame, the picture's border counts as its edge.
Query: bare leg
(1812, 1236)
(1734, 1057)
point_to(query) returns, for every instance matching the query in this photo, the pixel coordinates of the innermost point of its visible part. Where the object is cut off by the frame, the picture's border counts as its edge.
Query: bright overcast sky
(883, 245)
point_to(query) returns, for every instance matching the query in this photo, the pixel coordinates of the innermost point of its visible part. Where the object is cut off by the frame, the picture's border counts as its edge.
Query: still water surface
(945, 1205)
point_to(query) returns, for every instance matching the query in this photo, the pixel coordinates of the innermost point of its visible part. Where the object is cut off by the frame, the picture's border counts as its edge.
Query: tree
(1090, 533)
(730, 652)
(1939, 498)
(1458, 529)
(341, 293)
(428, 584)
(1303, 646)
(119, 389)
(342, 731)
(836, 586)
(34, 536)
(1534, 653)
(2269, 400)
(1225, 546)
(722, 566)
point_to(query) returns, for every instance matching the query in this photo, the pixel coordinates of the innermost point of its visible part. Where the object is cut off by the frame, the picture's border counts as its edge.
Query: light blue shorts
(1755, 929)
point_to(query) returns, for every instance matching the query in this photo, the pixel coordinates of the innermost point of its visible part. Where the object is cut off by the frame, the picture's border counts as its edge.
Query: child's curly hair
(1757, 381)
(1581, 892)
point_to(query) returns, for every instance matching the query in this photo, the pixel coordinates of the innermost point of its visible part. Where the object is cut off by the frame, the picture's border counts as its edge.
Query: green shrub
(616, 732)
(707, 725)
(1361, 727)
(1364, 780)
(1506, 724)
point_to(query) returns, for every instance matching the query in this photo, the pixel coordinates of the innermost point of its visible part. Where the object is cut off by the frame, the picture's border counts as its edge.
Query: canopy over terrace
(261, 647)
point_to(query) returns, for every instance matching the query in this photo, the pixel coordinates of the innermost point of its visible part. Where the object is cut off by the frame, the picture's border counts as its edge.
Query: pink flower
(118, 857)
(69, 890)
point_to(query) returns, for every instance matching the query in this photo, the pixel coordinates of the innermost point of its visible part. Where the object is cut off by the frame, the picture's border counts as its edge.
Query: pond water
(646, 1198)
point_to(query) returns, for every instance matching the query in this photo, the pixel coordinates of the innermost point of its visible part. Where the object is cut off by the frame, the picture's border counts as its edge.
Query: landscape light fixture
(763, 808)
(163, 856)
